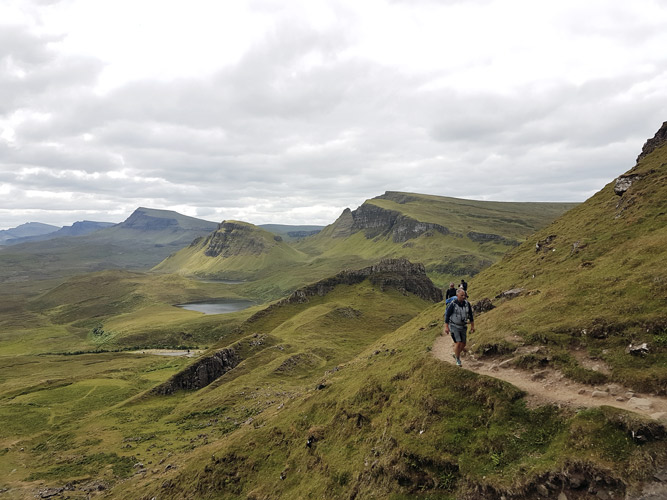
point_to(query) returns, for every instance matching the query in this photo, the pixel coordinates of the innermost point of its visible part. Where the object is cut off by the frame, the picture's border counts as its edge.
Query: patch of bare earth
(550, 386)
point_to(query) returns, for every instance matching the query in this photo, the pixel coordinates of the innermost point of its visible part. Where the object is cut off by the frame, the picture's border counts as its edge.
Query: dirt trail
(551, 386)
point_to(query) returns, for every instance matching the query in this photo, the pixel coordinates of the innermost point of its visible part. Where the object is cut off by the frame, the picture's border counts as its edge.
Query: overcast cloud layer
(288, 112)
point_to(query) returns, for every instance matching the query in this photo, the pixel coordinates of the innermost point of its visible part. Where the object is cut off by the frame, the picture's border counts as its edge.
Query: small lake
(221, 306)
(224, 282)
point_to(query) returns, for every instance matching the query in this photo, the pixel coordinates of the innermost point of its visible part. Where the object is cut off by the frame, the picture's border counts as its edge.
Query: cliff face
(232, 238)
(376, 221)
(201, 373)
(658, 140)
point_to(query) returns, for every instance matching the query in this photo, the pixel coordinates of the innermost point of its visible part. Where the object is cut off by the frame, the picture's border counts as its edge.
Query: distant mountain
(77, 229)
(26, 230)
(139, 243)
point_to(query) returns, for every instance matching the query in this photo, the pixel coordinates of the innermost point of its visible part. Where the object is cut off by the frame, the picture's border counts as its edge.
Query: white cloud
(269, 111)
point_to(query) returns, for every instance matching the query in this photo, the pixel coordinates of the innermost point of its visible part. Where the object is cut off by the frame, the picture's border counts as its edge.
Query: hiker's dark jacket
(457, 313)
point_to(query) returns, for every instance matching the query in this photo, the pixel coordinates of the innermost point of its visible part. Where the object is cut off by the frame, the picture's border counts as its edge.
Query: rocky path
(550, 386)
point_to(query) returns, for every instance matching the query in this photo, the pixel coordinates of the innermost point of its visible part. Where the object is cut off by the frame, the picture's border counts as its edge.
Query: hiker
(451, 291)
(457, 314)
(463, 285)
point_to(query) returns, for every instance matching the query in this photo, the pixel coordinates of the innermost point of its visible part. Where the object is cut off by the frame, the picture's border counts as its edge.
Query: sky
(289, 111)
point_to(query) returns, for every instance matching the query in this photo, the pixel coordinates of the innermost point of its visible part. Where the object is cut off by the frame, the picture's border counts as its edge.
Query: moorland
(327, 386)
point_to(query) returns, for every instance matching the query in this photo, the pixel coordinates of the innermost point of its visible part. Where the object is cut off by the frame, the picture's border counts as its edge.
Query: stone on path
(640, 403)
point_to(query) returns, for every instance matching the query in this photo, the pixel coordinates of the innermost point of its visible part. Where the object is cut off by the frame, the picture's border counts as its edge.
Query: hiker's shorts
(458, 333)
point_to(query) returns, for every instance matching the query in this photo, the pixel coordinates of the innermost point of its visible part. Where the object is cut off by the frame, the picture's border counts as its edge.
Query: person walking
(457, 314)
(451, 291)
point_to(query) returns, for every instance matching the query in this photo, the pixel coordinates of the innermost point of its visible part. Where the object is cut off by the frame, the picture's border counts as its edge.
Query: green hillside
(593, 281)
(235, 250)
(453, 238)
(336, 395)
(333, 390)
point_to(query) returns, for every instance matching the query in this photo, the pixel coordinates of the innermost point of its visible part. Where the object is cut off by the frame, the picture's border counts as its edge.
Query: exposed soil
(550, 386)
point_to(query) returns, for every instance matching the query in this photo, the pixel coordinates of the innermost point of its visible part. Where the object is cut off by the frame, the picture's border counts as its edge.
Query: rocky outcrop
(624, 182)
(400, 274)
(658, 140)
(232, 238)
(397, 197)
(202, 373)
(376, 221)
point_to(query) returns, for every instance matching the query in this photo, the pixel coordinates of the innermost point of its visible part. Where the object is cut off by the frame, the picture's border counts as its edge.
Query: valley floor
(551, 386)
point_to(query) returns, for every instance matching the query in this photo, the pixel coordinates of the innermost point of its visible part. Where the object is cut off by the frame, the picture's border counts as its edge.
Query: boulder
(624, 182)
(637, 350)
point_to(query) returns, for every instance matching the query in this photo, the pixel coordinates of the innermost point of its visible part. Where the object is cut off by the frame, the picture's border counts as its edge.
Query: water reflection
(221, 306)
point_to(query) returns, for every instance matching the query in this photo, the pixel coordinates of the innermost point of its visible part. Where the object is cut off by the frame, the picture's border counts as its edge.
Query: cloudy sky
(288, 111)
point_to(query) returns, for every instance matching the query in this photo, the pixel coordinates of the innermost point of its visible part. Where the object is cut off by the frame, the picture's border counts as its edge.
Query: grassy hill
(235, 250)
(592, 283)
(333, 391)
(336, 396)
(453, 238)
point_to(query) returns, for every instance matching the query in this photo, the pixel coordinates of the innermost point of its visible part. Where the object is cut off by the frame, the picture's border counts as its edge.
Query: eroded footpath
(552, 387)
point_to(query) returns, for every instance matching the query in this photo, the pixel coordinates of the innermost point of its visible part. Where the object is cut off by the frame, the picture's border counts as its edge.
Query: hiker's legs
(458, 349)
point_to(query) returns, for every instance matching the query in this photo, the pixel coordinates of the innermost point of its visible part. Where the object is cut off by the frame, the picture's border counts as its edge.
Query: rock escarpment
(376, 221)
(625, 181)
(202, 373)
(400, 274)
(658, 140)
(233, 238)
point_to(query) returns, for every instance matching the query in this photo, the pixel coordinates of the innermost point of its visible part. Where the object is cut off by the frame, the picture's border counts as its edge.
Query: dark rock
(483, 305)
(202, 373)
(637, 350)
(50, 492)
(545, 244)
(376, 221)
(658, 140)
(577, 481)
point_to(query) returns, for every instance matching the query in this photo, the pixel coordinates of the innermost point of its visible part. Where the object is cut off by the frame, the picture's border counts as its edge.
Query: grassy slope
(132, 310)
(446, 257)
(600, 284)
(246, 263)
(390, 423)
(307, 341)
